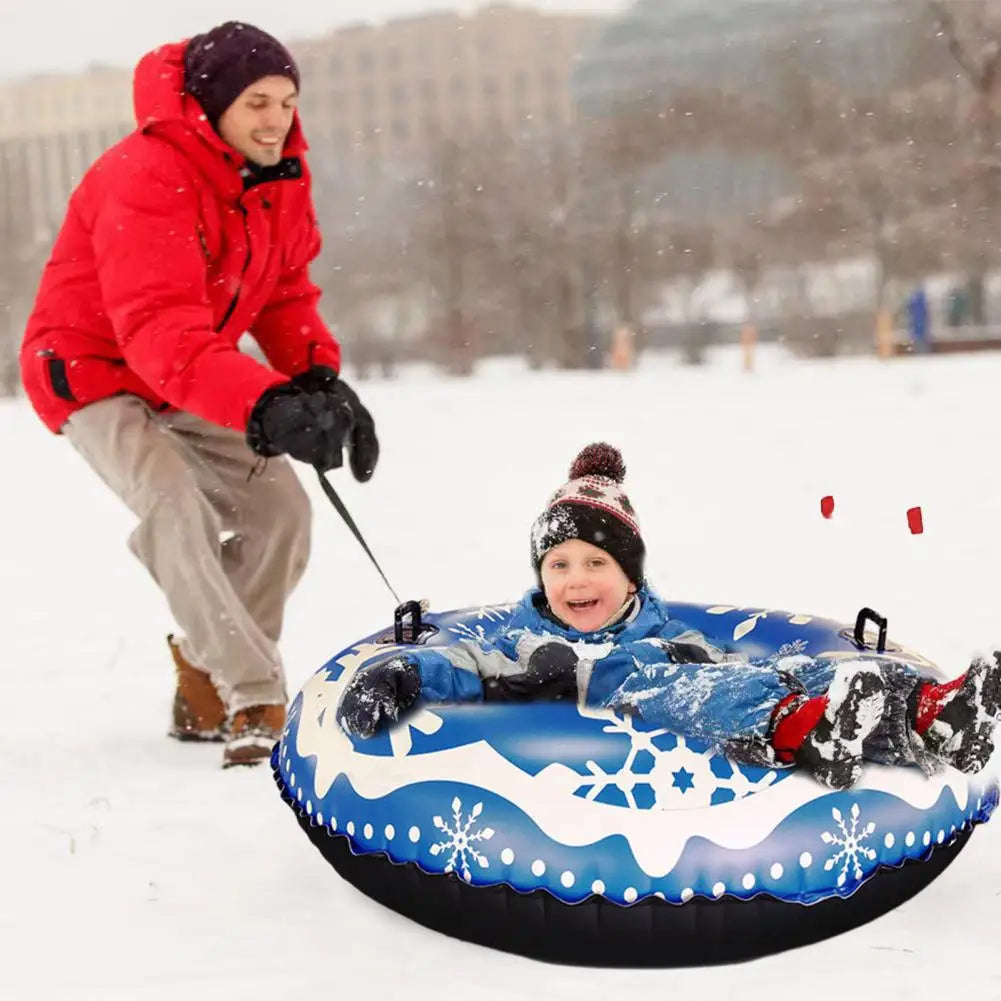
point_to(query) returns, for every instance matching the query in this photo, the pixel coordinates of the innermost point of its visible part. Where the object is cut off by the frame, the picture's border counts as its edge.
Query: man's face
(257, 123)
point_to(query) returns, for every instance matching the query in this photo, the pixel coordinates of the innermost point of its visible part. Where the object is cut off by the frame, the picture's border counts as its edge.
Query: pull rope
(349, 521)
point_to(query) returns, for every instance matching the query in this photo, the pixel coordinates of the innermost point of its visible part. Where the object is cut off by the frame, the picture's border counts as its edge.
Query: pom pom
(599, 459)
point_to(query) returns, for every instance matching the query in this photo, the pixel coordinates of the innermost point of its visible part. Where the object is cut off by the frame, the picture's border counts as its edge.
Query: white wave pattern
(657, 837)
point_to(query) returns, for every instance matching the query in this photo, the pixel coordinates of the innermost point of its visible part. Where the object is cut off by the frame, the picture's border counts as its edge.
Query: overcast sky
(44, 35)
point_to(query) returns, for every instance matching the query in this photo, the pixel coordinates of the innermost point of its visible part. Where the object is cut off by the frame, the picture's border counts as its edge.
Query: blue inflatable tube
(585, 836)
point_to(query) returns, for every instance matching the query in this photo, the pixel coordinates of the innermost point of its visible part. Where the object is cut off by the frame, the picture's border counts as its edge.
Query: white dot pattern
(568, 878)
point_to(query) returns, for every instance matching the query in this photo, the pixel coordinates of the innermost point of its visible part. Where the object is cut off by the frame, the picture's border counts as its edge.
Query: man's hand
(310, 427)
(362, 443)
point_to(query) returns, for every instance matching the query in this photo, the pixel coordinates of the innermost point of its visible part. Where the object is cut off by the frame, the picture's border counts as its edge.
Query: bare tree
(455, 244)
(972, 34)
(865, 166)
(368, 268)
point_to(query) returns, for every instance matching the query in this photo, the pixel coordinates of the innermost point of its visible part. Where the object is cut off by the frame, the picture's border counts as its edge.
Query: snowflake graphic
(848, 841)
(747, 625)
(460, 840)
(680, 777)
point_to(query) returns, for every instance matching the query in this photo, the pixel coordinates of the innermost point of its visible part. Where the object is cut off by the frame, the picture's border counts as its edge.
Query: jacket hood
(162, 108)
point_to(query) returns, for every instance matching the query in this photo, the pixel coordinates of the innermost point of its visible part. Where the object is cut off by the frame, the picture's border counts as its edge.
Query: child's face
(584, 586)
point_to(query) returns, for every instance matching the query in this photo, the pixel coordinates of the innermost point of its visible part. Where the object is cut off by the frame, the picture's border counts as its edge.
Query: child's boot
(957, 720)
(825, 734)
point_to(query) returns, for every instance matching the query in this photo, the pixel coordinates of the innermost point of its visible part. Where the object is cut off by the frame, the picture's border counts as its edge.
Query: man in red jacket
(194, 229)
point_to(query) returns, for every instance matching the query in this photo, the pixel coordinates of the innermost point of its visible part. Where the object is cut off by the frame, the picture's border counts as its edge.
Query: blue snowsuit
(654, 666)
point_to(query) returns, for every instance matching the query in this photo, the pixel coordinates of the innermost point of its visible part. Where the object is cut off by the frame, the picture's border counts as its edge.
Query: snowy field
(133, 867)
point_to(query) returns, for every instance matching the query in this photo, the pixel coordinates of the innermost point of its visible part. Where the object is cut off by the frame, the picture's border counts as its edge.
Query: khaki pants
(226, 548)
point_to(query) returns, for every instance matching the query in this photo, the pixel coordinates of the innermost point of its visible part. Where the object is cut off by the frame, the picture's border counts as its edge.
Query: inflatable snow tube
(586, 837)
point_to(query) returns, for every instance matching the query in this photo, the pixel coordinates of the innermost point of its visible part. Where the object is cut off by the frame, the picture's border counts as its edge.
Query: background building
(51, 129)
(384, 95)
(661, 45)
(664, 49)
(373, 96)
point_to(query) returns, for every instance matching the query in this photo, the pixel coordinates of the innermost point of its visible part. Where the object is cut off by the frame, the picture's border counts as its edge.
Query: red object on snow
(827, 506)
(914, 521)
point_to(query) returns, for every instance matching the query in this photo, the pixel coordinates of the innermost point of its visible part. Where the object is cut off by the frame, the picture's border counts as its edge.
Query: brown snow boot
(253, 732)
(198, 711)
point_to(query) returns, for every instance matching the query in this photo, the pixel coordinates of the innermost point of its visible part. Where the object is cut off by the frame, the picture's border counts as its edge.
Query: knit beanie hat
(222, 63)
(594, 508)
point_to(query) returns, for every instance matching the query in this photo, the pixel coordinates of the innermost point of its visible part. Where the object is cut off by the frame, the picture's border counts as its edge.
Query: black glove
(363, 445)
(376, 693)
(311, 427)
(316, 379)
(551, 674)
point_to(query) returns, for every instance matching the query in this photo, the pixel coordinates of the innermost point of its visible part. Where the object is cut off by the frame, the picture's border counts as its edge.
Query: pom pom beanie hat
(593, 507)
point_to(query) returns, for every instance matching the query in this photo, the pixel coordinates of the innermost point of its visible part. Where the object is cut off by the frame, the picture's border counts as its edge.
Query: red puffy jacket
(165, 260)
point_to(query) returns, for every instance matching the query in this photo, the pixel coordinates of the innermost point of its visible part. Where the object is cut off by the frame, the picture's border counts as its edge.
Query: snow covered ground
(133, 867)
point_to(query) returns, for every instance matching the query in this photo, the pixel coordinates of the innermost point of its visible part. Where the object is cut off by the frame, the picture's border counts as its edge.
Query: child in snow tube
(594, 631)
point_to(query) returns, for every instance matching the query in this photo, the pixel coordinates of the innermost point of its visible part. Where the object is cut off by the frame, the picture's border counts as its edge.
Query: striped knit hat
(594, 508)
